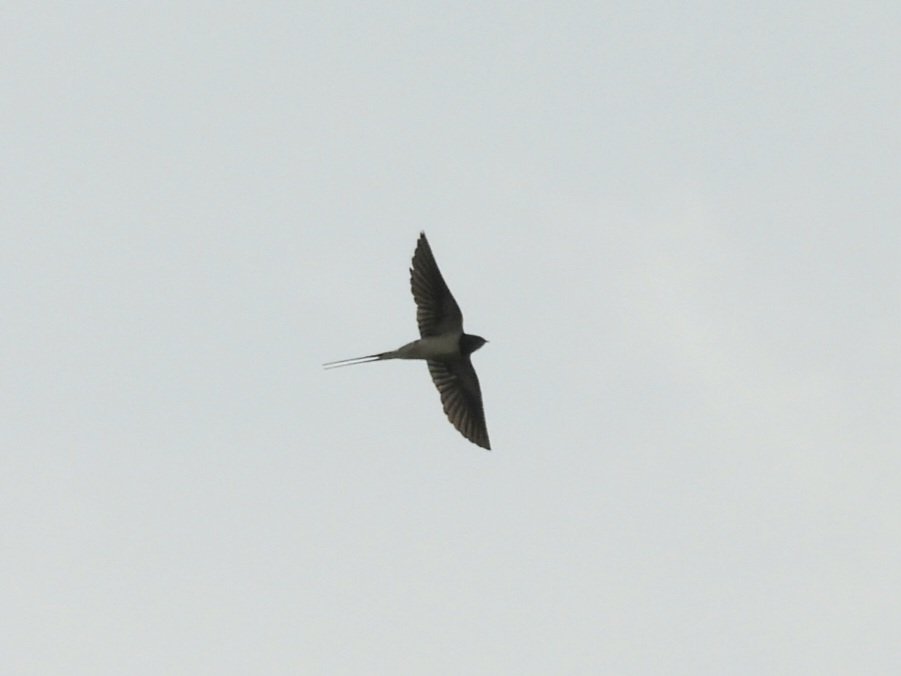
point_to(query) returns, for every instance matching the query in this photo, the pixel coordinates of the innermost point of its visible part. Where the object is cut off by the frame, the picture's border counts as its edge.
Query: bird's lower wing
(461, 397)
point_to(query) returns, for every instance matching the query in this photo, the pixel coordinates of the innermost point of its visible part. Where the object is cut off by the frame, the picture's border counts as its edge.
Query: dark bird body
(443, 345)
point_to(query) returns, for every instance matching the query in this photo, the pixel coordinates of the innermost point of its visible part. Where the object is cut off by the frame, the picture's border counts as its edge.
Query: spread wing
(436, 310)
(461, 396)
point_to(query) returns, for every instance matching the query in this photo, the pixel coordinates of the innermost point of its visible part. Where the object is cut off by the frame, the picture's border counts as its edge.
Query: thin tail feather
(358, 360)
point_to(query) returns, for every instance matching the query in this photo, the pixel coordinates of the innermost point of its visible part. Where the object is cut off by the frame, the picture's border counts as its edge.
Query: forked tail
(358, 360)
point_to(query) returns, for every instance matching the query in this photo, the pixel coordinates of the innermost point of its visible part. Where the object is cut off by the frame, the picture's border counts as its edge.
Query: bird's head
(469, 344)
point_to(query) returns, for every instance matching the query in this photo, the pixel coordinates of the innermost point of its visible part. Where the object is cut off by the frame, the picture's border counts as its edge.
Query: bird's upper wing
(436, 310)
(461, 396)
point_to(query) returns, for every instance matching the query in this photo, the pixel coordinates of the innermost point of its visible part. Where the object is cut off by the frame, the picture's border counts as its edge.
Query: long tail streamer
(355, 360)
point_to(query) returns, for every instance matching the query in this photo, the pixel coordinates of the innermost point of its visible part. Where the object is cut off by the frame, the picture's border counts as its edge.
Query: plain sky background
(679, 227)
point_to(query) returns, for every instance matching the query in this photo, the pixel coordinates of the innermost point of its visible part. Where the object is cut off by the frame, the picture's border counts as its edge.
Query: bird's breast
(432, 347)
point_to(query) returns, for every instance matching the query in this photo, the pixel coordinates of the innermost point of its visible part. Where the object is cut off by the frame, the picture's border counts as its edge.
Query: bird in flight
(443, 345)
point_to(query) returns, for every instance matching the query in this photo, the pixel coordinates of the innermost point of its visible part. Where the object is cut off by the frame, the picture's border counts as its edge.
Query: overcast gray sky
(679, 227)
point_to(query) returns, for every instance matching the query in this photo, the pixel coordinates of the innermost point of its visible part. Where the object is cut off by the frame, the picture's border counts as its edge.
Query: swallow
(443, 345)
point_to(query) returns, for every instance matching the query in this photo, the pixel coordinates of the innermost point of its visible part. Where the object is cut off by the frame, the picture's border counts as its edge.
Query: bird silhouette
(443, 345)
